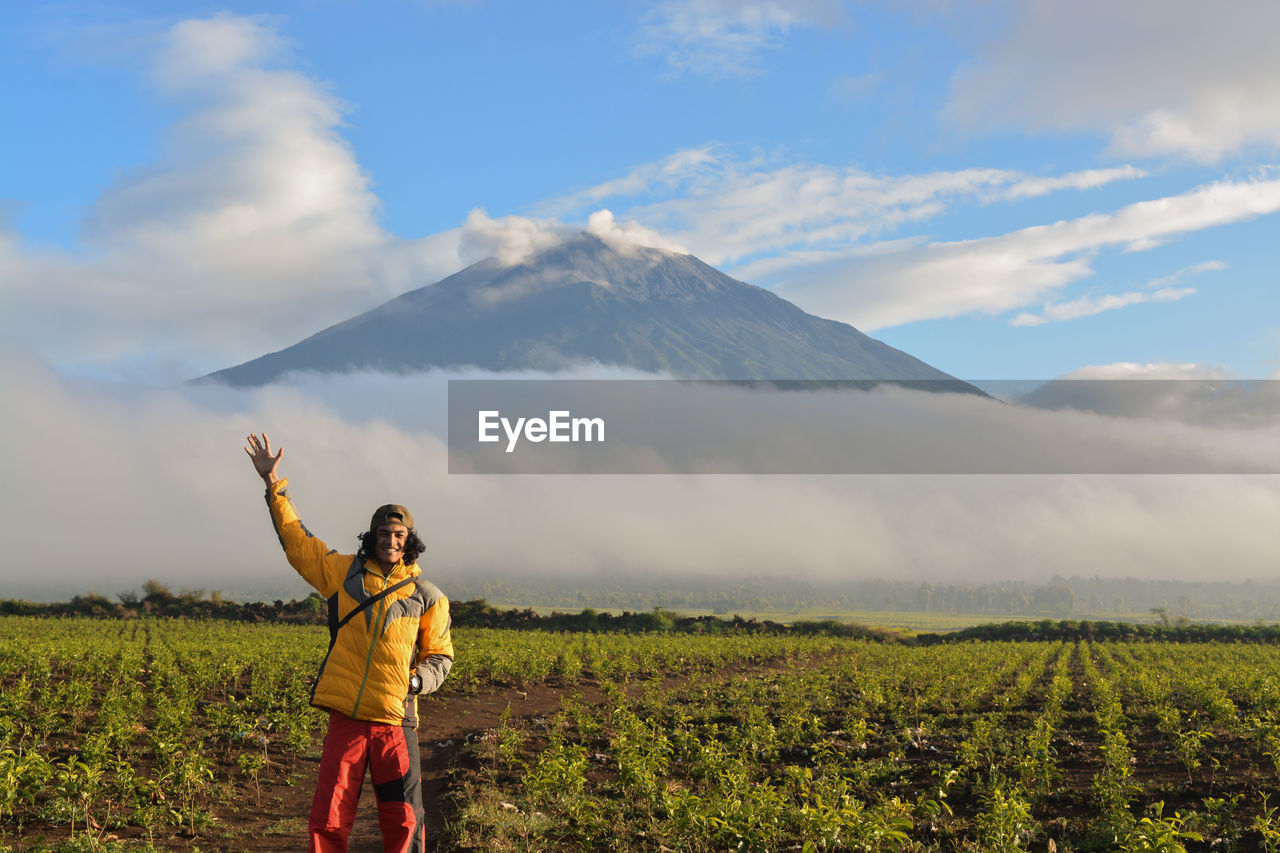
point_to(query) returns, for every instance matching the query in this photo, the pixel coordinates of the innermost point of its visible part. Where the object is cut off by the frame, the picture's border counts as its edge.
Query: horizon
(857, 601)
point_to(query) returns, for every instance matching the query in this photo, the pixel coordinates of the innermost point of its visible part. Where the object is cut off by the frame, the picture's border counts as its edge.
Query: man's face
(390, 547)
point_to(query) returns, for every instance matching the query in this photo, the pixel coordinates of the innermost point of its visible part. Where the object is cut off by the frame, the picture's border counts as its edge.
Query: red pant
(391, 754)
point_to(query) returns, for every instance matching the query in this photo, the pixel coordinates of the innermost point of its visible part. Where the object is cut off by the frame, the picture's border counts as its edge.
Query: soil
(444, 727)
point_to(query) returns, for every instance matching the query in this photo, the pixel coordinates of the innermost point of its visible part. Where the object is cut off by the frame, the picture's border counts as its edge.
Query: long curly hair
(413, 546)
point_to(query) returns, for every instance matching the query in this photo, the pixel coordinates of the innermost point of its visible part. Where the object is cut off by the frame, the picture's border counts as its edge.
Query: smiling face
(389, 548)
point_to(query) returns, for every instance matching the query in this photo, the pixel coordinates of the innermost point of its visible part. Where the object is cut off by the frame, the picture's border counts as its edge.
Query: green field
(181, 735)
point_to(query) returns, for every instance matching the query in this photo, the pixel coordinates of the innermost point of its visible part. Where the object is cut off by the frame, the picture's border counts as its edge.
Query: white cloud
(669, 173)
(628, 234)
(511, 239)
(996, 274)
(725, 38)
(203, 49)
(169, 462)
(1157, 290)
(1030, 187)
(1150, 370)
(1090, 305)
(1185, 272)
(254, 226)
(257, 157)
(1159, 77)
(725, 208)
(756, 210)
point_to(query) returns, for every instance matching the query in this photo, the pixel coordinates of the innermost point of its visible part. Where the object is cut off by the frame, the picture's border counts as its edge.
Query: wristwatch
(415, 684)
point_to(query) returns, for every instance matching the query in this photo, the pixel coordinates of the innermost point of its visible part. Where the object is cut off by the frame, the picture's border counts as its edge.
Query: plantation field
(185, 735)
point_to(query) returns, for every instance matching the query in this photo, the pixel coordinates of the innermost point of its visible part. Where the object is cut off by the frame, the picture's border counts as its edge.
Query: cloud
(725, 38)
(993, 275)
(254, 225)
(1031, 187)
(628, 235)
(513, 240)
(510, 239)
(1181, 78)
(256, 158)
(726, 207)
(1088, 306)
(1189, 393)
(1205, 266)
(1157, 290)
(1150, 370)
(159, 488)
(751, 211)
(667, 174)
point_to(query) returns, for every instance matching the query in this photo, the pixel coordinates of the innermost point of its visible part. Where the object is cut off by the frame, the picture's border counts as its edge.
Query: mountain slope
(584, 301)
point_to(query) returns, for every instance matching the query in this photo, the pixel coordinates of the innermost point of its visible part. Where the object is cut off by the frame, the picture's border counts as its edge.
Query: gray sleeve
(432, 672)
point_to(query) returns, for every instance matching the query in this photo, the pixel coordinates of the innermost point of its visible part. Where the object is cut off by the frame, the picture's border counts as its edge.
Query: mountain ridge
(586, 301)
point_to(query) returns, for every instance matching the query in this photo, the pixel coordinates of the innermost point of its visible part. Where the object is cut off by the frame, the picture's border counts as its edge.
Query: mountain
(584, 301)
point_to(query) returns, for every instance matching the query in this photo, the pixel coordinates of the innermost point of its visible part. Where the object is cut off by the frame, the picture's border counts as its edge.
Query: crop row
(983, 747)
(152, 726)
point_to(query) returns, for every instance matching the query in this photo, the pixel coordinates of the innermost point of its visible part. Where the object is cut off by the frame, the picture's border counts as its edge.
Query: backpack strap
(335, 623)
(335, 626)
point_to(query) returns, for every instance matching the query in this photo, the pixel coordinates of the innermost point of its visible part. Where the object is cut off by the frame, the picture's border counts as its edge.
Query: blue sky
(1006, 190)
(1018, 190)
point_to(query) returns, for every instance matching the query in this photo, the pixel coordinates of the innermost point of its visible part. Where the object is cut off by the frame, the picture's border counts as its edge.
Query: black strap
(333, 632)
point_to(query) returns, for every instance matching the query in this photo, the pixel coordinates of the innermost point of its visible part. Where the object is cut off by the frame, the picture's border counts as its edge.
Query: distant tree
(156, 592)
(90, 605)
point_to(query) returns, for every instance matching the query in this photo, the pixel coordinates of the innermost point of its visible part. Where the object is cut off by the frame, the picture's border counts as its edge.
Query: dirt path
(278, 819)
(446, 724)
(443, 730)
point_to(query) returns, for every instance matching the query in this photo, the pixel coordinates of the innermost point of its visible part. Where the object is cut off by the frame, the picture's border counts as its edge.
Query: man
(388, 643)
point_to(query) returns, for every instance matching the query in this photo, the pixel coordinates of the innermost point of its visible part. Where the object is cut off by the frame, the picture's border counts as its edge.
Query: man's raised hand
(264, 463)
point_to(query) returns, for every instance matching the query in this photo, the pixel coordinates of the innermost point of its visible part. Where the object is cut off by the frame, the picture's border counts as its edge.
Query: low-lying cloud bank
(113, 485)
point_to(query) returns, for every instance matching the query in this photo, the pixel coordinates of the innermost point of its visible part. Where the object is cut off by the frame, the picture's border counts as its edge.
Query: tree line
(157, 600)
(1058, 597)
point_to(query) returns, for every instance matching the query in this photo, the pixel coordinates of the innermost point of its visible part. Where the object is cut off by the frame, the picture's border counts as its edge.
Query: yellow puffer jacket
(366, 673)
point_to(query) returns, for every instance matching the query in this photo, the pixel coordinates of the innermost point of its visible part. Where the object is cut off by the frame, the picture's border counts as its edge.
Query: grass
(293, 826)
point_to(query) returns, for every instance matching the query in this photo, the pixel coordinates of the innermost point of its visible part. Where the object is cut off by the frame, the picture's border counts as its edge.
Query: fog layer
(111, 485)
